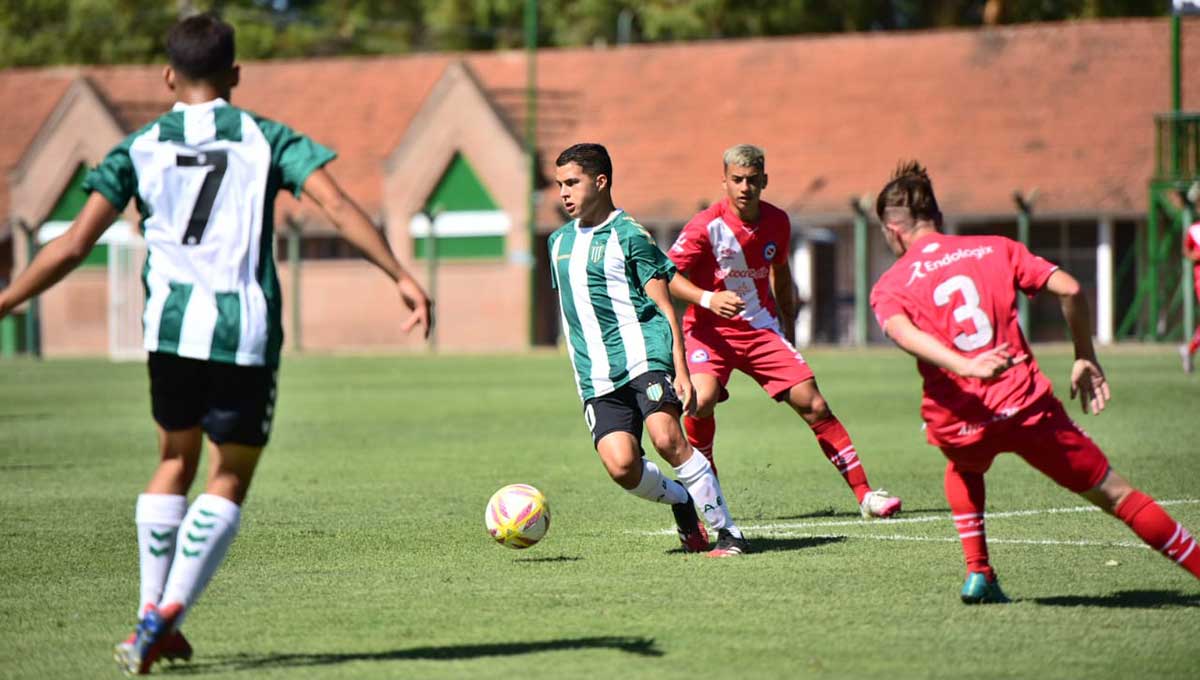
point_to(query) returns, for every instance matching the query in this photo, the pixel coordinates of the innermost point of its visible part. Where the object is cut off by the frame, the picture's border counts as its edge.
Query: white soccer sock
(654, 487)
(204, 538)
(157, 517)
(697, 475)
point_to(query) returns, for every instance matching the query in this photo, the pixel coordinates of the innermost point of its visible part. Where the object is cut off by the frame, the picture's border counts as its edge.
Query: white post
(1104, 281)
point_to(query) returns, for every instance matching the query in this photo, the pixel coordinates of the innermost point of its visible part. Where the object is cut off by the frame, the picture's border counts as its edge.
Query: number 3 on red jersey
(969, 309)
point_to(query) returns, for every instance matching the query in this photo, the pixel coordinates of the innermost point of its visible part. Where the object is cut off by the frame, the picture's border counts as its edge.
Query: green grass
(363, 554)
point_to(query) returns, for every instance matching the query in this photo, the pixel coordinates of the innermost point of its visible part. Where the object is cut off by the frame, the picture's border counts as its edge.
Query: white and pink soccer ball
(517, 516)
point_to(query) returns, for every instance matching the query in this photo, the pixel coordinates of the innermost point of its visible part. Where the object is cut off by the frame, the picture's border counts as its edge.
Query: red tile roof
(1064, 107)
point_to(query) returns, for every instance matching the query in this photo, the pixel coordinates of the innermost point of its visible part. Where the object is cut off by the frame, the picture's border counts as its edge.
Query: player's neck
(917, 234)
(199, 94)
(598, 213)
(749, 215)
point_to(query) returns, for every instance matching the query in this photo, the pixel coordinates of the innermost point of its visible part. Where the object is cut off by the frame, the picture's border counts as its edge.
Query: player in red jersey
(742, 316)
(1191, 250)
(951, 301)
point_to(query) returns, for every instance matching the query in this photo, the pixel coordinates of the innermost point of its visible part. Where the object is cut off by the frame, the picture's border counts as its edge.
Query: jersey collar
(608, 220)
(210, 104)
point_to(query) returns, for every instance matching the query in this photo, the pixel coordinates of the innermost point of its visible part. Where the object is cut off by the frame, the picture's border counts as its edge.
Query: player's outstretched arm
(355, 227)
(658, 291)
(724, 303)
(985, 365)
(1087, 378)
(61, 255)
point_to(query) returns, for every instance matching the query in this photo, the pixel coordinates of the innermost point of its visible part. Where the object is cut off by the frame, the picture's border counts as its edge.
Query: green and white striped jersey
(205, 178)
(614, 330)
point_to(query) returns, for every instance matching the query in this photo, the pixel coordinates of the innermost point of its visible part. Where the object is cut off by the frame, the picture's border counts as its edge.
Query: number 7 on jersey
(198, 222)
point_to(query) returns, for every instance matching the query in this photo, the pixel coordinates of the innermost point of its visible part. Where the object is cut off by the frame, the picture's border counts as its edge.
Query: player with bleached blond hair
(734, 270)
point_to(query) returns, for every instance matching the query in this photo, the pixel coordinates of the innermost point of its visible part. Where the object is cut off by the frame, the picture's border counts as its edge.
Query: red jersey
(1191, 244)
(962, 290)
(717, 251)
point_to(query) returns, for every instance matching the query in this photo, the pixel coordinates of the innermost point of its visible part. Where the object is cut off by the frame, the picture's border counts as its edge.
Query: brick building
(1064, 108)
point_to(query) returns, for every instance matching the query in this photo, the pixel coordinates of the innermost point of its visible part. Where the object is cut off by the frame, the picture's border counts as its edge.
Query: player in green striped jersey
(204, 176)
(625, 346)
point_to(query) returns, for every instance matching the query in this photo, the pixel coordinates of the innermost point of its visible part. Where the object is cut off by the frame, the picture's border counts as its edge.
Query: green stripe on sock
(191, 553)
(159, 552)
(196, 539)
(162, 536)
(227, 334)
(203, 525)
(170, 324)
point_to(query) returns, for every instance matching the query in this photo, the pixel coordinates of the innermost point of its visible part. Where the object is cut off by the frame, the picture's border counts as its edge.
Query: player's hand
(1088, 383)
(990, 364)
(418, 302)
(686, 394)
(726, 304)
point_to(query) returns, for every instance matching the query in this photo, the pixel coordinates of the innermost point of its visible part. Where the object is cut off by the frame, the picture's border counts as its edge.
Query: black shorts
(625, 409)
(234, 404)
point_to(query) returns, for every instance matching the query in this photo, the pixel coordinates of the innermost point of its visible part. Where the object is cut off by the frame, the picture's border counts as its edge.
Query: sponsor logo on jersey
(932, 247)
(725, 254)
(923, 267)
(678, 245)
(756, 273)
(769, 251)
(699, 356)
(654, 392)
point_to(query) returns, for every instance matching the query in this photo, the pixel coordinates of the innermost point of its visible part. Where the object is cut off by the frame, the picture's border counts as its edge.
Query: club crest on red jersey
(769, 251)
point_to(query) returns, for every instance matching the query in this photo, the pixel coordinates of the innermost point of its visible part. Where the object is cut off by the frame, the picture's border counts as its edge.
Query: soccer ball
(517, 516)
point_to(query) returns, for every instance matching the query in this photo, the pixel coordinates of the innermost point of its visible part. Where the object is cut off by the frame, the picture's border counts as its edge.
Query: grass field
(363, 554)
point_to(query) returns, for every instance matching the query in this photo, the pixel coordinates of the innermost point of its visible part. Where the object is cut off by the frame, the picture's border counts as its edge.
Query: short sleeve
(114, 178)
(886, 304)
(293, 154)
(691, 243)
(648, 261)
(1030, 272)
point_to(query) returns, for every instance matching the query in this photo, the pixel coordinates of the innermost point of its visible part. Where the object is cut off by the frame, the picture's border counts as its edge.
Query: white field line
(793, 529)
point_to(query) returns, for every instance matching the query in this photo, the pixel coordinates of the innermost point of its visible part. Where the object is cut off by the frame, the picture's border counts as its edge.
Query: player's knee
(670, 444)
(624, 473)
(811, 406)
(705, 405)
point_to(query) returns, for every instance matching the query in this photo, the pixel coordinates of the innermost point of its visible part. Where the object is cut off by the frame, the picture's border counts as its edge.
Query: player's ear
(601, 182)
(235, 76)
(169, 77)
(764, 182)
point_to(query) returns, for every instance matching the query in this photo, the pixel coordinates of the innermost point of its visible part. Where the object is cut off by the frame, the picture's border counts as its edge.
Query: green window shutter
(460, 191)
(72, 199)
(67, 209)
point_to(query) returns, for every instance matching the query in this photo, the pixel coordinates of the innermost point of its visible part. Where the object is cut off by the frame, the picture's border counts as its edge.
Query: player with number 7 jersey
(205, 176)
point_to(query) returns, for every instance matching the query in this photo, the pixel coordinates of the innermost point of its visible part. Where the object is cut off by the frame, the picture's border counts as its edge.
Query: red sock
(700, 434)
(966, 494)
(837, 447)
(1159, 530)
(1195, 343)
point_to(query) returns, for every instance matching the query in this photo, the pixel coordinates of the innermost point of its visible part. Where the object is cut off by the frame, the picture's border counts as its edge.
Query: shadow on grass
(1126, 599)
(761, 544)
(770, 544)
(249, 662)
(830, 513)
(559, 558)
